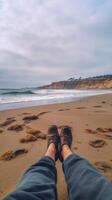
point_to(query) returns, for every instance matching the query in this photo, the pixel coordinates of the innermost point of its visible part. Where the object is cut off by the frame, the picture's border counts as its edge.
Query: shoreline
(66, 102)
(90, 119)
(48, 98)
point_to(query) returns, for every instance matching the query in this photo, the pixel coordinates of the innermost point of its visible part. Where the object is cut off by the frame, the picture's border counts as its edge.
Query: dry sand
(91, 120)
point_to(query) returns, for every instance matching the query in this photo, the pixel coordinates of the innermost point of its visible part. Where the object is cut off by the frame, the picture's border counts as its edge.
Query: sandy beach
(90, 119)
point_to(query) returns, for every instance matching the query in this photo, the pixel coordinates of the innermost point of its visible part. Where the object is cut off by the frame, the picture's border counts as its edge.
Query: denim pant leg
(37, 183)
(84, 181)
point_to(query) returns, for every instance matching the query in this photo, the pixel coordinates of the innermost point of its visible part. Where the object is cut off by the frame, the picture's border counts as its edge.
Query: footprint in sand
(9, 155)
(29, 118)
(105, 133)
(90, 131)
(97, 143)
(61, 110)
(33, 135)
(80, 107)
(7, 122)
(97, 106)
(42, 113)
(28, 138)
(103, 102)
(32, 138)
(37, 133)
(1, 131)
(16, 127)
(64, 109)
(31, 131)
(103, 166)
(10, 118)
(25, 113)
(104, 130)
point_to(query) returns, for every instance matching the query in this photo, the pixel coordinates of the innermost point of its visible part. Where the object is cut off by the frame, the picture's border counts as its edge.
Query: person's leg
(39, 181)
(83, 180)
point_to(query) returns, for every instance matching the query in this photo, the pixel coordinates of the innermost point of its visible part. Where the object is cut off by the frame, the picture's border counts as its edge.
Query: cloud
(42, 41)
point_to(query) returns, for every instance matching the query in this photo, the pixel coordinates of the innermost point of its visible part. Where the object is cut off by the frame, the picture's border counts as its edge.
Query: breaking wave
(17, 98)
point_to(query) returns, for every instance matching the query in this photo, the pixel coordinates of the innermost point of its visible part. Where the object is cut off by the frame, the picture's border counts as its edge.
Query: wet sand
(23, 141)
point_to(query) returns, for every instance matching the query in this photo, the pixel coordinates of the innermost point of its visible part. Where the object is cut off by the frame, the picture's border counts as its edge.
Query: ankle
(51, 151)
(66, 152)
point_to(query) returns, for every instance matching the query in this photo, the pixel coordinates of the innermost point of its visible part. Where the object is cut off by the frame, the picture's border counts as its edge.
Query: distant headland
(96, 82)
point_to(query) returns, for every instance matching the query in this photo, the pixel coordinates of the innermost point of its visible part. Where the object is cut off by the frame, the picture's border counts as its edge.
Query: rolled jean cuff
(48, 159)
(72, 158)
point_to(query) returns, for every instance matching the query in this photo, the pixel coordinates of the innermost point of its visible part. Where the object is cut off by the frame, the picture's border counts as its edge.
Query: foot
(66, 142)
(53, 138)
(51, 151)
(65, 152)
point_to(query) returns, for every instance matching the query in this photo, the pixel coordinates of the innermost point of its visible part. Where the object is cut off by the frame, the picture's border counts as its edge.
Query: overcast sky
(48, 40)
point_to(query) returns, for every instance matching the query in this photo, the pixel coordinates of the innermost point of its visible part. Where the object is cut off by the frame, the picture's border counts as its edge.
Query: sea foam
(16, 98)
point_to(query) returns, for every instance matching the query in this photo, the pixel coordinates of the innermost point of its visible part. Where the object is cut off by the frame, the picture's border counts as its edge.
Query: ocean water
(18, 98)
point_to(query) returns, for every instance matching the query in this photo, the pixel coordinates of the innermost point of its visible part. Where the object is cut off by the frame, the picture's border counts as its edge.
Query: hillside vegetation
(98, 82)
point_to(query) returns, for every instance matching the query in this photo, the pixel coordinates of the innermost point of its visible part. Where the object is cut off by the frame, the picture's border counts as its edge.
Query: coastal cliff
(98, 82)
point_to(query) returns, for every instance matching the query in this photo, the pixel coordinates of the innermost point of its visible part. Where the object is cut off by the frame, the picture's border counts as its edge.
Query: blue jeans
(84, 182)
